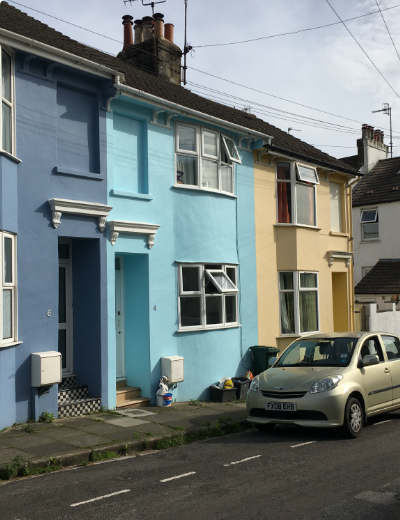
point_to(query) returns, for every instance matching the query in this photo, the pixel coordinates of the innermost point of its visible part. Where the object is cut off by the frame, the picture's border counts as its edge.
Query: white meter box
(172, 367)
(45, 368)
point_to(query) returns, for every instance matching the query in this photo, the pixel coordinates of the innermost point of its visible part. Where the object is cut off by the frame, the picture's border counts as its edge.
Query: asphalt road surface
(292, 473)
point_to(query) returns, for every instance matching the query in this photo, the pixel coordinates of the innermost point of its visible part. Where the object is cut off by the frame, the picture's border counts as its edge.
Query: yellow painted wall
(340, 302)
(296, 248)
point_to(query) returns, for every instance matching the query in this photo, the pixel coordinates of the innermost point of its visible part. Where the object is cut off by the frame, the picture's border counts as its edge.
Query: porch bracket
(135, 228)
(169, 117)
(78, 207)
(259, 156)
(344, 255)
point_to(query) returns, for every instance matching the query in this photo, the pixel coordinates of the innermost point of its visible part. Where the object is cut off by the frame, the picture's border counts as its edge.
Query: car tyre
(264, 427)
(353, 418)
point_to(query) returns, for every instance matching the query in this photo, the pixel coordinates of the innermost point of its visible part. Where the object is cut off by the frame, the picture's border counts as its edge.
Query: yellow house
(303, 241)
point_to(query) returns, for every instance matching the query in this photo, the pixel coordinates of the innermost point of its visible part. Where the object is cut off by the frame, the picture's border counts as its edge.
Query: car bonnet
(293, 378)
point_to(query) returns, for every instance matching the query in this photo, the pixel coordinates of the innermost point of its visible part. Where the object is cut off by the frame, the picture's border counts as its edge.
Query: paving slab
(34, 439)
(8, 454)
(126, 422)
(11, 433)
(124, 435)
(86, 439)
(98, 428)
(55, 449)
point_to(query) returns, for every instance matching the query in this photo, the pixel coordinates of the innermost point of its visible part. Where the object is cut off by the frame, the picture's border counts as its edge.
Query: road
(292, 473)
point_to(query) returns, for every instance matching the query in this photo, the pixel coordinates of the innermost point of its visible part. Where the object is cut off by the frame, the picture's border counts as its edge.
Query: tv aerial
(145, 4)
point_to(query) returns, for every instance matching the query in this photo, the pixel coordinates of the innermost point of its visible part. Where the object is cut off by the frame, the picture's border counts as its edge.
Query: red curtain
(283, 202)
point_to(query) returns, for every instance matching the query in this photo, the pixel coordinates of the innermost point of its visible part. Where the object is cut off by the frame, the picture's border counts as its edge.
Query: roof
(381, 184)
(20, 23)
(384, 278)
(352, 161)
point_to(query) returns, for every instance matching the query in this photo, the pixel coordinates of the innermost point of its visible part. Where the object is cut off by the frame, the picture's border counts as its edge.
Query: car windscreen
(330, 352)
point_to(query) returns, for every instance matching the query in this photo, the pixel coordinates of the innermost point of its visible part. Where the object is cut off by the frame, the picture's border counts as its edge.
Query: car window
(372, 347)
(392, 347)
(319, 351)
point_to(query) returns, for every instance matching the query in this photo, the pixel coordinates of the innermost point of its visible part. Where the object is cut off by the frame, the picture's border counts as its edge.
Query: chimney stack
(154, 50)
(128, 36)
(371, 148)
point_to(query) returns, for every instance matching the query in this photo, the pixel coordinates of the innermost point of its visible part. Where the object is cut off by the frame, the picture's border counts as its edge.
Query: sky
(314, 71)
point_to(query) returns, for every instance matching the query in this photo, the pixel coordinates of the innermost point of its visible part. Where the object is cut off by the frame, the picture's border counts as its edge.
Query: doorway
(120, 318)
(340, 302)
(65, 314)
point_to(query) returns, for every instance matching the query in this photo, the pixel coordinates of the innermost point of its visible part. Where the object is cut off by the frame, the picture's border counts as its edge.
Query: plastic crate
(242, 385)
(222, 395)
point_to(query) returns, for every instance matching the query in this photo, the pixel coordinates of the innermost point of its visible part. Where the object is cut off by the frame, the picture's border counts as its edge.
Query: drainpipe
(350, 248)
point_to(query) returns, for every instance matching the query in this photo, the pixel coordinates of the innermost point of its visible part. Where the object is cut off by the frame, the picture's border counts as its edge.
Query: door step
(129, 396)
(74, 399)
(140, 402)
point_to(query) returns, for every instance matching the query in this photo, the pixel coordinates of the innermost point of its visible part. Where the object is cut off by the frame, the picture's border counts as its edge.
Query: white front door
(65, 328)
(120, 317)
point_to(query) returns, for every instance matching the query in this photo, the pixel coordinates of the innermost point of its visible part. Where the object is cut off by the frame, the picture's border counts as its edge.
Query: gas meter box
(172, 367)
(45, 368)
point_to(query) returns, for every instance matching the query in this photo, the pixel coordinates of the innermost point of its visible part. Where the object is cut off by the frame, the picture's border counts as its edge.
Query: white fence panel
(385, 321)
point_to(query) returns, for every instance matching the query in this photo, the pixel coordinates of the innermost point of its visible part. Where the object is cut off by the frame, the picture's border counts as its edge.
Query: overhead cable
(387, 28)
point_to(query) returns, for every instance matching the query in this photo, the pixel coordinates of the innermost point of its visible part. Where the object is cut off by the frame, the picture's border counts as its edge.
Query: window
(8, 272)
(296, 194)
(392, 347)
(204, 158)
(208, 296)
(7, 102)
(369, 224)
(336, 206)
(365, 270)
(298, 301)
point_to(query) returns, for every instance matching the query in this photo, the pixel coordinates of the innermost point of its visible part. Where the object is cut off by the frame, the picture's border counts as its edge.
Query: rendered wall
(295, 248)
(195, 226)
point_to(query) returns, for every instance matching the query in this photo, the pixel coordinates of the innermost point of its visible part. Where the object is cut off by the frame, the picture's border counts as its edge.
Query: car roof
(320, 335)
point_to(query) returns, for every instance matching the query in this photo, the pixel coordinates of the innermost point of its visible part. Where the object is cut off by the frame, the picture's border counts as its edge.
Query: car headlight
(325, 384)
(255, 385)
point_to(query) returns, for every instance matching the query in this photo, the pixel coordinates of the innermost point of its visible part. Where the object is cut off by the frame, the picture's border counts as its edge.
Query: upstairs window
(336, 206)
(8, 273)
(205, 158)
(369, 224)
(296, 193)
(7, 102)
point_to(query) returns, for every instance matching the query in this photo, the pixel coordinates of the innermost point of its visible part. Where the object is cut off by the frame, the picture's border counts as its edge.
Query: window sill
(196, 188)
(374, 240)
(314, 228)
(12, 344)
(203, 329)
(78, 173)
(339, 234)
(300, 335)
(131, 195)
(10, 156)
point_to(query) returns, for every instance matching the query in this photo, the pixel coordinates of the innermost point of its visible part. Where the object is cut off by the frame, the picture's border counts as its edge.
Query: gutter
(182, 110)
(281, 152)
(29, 45)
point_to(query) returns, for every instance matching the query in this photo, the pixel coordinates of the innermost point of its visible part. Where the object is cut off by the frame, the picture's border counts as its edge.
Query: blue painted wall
(195, 226)
(60, 130)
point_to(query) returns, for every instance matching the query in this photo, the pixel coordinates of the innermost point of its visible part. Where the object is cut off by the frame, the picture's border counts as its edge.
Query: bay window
(7, 102)
(298, 302)
(296, 193)
(208, 296)
(8, 294)
(204, 158)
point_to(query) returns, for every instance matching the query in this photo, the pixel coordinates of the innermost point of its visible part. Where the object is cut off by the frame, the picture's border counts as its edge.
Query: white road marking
(178, 476)
(100, 498)
(303, 444)
(376, 424)
(244, 460)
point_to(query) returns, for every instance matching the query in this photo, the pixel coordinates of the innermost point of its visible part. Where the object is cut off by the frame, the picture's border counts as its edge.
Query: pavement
(72, 440)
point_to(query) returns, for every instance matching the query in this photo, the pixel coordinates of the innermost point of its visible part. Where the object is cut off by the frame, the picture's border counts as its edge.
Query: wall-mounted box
(45, 368)
(172, 367)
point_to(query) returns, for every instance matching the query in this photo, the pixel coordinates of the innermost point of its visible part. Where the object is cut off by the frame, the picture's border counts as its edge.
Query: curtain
(287, 312)
(308, 311)
(284, 202)
(186, 170)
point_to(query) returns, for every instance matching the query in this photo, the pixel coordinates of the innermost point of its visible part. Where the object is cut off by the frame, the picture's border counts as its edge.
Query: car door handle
(386, 371)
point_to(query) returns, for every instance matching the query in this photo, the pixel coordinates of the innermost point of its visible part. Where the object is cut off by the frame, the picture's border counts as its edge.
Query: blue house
(126, 221)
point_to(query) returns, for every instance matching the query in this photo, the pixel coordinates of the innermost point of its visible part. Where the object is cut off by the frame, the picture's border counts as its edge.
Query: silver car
(328, 380)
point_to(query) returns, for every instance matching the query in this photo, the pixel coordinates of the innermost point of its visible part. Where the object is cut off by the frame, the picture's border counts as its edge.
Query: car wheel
(353, 418)
(264, 427)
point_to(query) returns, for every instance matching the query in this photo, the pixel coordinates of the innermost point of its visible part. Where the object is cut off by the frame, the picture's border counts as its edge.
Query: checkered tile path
(75, 408)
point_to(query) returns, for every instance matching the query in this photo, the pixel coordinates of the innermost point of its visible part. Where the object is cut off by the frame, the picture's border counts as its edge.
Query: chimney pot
(128, 35)
(376, 134)
(364, 131)
(158, 25)
(147, 28)
(169, 32)
(138, 28)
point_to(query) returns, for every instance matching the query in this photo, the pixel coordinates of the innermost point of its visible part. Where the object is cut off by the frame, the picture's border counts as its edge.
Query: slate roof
(352, 161)
(16, 21)
(381, 184)
(384, 278)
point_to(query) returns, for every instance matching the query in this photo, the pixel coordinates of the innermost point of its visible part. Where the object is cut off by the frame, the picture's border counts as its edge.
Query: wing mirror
(271, 361)
(368, 360)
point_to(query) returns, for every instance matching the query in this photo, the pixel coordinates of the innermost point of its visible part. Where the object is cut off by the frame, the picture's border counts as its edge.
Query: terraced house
(147, 229)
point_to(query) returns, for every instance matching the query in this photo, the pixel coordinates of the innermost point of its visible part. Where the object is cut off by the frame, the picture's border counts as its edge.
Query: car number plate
(283, 407)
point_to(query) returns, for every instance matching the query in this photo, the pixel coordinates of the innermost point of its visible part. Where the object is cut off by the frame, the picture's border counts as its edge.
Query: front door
(65, 334)
(120, 317)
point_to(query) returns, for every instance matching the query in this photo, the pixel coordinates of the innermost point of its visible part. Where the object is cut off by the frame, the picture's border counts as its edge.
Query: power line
(351, 34)
(387, 28)
(295, 32)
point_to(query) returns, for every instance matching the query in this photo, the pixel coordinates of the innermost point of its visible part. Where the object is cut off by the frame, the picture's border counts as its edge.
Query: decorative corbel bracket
(156, 113)
(78, 207)
(340, 255)
(135, 228)
(245, 147)
(260, 154)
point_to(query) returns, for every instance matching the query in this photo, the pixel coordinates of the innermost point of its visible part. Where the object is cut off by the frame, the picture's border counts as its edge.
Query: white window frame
(10, 103)
(9, 286)
(294, 182)
(338, 186)
(297, 289)
(375, 220)
(205, 276)
(202, 156)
